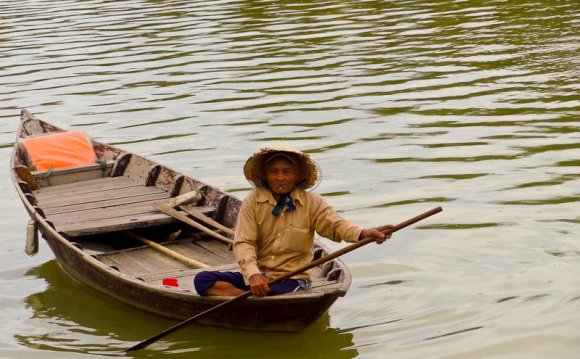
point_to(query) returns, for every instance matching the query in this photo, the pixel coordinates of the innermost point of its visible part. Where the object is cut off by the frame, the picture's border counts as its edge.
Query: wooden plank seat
(102, 205)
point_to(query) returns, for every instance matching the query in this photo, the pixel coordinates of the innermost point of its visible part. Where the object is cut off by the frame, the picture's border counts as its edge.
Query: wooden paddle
(313, 264)
(168, 209)
(202, 217)
(186, 198)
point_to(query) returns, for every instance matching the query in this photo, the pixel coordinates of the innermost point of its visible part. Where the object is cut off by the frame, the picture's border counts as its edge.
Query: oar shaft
(202, 217)
(315, 263)
(355, 245)
(182, 217)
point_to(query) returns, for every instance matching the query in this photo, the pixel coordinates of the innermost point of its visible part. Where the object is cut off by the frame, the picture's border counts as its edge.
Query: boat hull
(133, 273)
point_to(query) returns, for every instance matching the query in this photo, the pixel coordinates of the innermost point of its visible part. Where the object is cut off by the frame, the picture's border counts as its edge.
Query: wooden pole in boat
(313, 264)
(186, 198)
(168, 209)
(202, 217)
(173, 254)
(183, 201)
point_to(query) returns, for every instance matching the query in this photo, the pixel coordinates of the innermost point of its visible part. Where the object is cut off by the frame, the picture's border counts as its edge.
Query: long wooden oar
(182, 202)
(313, 264)
(197, 214)
(170, 211)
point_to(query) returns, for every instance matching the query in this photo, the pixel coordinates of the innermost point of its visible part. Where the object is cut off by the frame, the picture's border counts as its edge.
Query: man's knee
(203, 281)
(207, 279)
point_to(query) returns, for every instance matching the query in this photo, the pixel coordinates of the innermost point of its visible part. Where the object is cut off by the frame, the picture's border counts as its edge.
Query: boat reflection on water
(70, 317)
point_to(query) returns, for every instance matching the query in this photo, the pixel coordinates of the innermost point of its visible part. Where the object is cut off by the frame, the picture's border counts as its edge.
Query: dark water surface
(406, 105)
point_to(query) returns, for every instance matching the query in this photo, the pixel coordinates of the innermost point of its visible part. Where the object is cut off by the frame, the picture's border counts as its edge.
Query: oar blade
(174, 328)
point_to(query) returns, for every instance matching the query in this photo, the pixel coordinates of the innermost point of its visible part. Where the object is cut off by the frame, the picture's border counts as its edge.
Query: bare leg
(221, 288)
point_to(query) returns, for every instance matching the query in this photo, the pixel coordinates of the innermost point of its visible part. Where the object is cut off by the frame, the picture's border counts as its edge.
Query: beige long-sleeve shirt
(274, 246)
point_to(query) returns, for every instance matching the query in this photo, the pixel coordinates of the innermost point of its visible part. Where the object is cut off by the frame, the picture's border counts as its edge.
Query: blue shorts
(205, 280)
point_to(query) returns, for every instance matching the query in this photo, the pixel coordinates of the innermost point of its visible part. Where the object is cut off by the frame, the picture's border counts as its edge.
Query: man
(275, 229)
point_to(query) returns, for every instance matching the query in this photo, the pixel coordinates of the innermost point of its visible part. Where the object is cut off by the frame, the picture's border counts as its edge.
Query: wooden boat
(103, 222)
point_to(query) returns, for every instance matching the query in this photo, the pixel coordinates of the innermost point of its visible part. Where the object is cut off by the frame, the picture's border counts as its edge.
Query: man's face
(281, 175)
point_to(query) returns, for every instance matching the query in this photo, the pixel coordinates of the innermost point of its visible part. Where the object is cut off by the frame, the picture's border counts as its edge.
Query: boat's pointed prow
(25, 115)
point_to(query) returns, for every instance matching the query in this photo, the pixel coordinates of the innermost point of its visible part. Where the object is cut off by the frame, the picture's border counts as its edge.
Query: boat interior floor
(151, 266)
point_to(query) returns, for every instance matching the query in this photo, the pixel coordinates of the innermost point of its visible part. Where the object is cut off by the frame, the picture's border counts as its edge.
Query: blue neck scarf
(284, 201)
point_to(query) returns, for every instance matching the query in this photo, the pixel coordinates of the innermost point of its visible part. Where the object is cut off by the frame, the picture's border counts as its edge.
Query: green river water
(406, 105)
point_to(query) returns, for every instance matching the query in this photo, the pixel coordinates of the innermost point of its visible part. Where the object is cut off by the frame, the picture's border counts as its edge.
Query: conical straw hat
(254, 169)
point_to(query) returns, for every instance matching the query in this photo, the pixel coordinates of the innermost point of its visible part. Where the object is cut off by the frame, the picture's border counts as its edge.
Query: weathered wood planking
(188, 272)
(155, 261)
(185, 247)
(133, 261)
(108, 204)
(142, 262)
(94, 185)
(115, 224)
(217, 248)
(126, 264)
(196, 252)
(106, 195)
(133, 209)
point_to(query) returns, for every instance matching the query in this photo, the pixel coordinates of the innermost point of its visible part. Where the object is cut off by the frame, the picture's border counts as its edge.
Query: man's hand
(259, 285)
(376, 233)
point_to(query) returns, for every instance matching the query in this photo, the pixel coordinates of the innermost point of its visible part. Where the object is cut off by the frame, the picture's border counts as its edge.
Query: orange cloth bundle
(60, 150)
